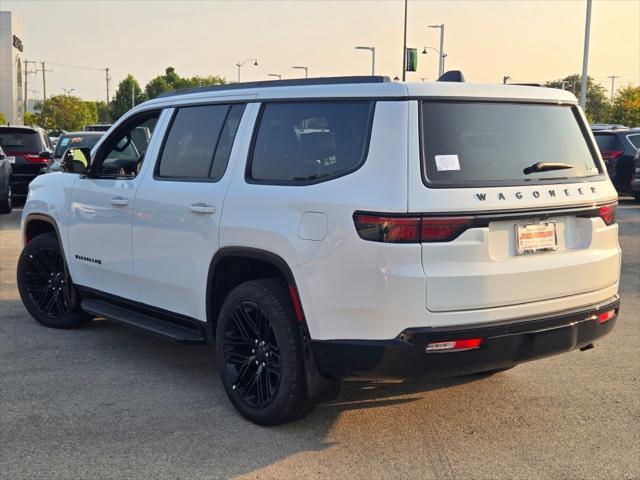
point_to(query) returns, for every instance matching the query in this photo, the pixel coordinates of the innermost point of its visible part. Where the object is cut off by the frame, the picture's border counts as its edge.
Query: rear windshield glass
(493, 143)
(74, 141)
(20, 141)
(607, 142)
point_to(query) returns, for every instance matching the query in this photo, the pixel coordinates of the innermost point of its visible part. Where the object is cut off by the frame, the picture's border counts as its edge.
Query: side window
(199, 142)
(635, 140)
(302, 142)
(124, 151)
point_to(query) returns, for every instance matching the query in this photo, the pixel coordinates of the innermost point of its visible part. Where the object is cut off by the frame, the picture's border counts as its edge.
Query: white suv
(328, 228)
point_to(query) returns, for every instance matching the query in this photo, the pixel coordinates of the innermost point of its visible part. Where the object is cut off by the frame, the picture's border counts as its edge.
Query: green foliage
(30, 119)
(65, 112)
(625, 109)
(172, 81)
(123, 101)
(3, 119)
(597, 107)
(104, 115)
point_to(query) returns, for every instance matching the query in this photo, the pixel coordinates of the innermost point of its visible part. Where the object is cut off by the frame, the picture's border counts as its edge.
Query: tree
(128, 90)
(30, 119)
(65, 112)
(172, 81)
(597, 107)
(3, 119)
(625, 108)
(104, 115)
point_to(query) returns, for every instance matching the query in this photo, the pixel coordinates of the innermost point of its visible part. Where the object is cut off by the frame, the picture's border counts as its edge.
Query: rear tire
(260, 353)
(6, 203)
(45, 285)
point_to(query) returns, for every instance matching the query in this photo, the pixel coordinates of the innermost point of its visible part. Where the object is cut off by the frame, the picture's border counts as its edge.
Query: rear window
(472, 143)
(74, 141)
(607, 142)
(634, 140)
(20, 141)
(306, 142)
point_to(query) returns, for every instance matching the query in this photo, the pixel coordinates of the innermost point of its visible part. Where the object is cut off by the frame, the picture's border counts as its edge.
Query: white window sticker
(447, 162)
(64, 141)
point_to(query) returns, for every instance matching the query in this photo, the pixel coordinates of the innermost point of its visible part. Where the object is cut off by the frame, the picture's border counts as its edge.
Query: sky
(528, 40)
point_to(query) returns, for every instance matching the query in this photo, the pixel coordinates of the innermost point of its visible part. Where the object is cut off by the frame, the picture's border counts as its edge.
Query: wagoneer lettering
(328, 228)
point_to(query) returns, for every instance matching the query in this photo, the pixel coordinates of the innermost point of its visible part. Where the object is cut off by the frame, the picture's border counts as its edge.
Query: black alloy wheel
(45, 285)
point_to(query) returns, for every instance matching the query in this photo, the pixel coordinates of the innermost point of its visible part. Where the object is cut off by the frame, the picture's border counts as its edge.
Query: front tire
(260, 353)
(45, 285)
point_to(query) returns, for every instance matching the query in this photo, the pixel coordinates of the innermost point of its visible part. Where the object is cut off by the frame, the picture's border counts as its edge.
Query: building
(11, 85)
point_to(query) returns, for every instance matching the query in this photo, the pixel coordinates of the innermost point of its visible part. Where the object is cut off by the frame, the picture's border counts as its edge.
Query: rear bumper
(504, 344)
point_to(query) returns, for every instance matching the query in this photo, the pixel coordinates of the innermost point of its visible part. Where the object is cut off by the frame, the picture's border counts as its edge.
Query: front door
(102, 209)
(178, 208)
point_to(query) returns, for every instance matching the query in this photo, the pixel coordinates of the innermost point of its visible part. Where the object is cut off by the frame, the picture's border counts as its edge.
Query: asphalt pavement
(105, 401)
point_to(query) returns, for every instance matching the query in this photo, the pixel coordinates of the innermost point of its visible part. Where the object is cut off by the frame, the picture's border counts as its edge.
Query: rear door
(178, 208)
(496, 231)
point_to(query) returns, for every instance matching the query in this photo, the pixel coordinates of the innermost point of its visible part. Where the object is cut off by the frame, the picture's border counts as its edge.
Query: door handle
(119, 201)
(202, 208)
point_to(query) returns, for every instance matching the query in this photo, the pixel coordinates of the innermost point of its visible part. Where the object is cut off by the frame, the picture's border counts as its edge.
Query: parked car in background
(5, 183)
(73, 140)
(97, 127)
(29, 151)
(605, 126)
(618, 148)
(54, 135)
(635, 181)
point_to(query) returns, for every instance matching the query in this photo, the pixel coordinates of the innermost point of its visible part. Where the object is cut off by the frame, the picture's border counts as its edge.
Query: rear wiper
(545, 167)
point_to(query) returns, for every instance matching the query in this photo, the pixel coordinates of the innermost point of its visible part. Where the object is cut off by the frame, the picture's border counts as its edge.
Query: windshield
(74, 141)
(471, 143)
(20, 141)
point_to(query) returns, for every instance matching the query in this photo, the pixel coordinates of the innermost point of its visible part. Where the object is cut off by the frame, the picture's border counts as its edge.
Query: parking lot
(108, 402)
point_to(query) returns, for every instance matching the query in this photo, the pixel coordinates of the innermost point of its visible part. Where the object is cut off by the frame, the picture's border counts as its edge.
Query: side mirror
(76, 160)
(45, 154)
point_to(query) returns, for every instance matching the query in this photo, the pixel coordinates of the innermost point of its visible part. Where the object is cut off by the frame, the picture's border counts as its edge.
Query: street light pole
(441, 64)
(240, 64)
(404, 45)
(373, 57)
(306, 71)
(585, 58)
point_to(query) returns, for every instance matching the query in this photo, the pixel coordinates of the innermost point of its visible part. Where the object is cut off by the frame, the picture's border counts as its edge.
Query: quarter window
(199, 142)
(304, 142)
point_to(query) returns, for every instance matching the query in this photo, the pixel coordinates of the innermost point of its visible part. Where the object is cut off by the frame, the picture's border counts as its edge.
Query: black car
(28, 150)
(5, 184)
(618, 148)
(73, 140)
(635, 181)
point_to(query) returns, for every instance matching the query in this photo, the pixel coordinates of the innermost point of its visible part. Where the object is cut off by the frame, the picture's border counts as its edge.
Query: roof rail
(452, 76)
(279, 83)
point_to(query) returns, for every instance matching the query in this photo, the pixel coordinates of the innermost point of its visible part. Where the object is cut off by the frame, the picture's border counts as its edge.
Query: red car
(29, 152)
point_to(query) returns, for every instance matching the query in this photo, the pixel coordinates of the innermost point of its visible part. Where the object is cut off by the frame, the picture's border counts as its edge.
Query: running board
(161, 328)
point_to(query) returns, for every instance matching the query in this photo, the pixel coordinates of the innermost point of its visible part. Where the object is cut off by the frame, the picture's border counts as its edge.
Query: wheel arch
(37, 224)
(230, 267)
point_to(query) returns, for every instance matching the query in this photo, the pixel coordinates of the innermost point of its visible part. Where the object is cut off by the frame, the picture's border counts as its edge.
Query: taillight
(413, 229)
(454, 345)
(387, 229)
(35, 158)
(608, 213)
(611, 154)
(443, 229)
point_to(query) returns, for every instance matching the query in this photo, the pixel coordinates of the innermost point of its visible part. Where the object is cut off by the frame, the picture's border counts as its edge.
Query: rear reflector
(295, 300)
(458, 345)
(410, 229)
(608, 213)
(611, 154)
(608, 315)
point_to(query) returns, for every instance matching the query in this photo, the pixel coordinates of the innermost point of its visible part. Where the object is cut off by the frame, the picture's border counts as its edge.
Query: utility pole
(133, 95)
(404, 45)
(108, 79)
(26, 83)
(613, 83)
(442, 54)
(585, 58)
(44, 82)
